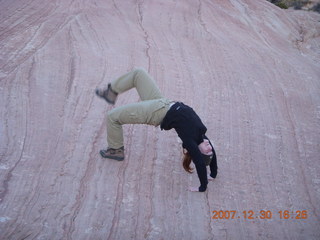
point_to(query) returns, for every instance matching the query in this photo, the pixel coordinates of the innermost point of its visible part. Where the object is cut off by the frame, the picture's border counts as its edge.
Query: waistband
(169, 104)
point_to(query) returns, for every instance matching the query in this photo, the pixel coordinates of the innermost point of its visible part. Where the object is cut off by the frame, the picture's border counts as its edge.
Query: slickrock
(250, 70)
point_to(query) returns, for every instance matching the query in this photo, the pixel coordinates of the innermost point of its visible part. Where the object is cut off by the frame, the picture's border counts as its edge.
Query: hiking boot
(111, 153)
(107, 94)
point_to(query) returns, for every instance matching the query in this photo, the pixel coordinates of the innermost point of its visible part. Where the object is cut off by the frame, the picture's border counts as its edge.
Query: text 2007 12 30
(262, 214)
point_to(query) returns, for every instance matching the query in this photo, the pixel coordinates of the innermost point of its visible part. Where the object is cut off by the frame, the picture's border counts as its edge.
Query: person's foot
(107, 94)
(115, 154)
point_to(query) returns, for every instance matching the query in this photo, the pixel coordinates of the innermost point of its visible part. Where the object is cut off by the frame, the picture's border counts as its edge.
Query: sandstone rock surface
(251, 71)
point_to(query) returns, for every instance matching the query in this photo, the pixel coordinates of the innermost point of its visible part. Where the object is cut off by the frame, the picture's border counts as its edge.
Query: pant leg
(149, 112)
(139, 79)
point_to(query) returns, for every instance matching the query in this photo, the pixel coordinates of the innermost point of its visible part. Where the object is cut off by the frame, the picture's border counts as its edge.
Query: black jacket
(192, 131)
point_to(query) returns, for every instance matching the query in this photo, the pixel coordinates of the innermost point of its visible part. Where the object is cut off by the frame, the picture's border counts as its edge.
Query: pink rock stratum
(250, 70)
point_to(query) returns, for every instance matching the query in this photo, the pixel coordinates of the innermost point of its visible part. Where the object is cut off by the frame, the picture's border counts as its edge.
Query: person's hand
(193, 189)
(210, 178)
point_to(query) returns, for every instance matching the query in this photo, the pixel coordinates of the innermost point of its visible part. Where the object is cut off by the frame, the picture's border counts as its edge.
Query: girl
(156, 110)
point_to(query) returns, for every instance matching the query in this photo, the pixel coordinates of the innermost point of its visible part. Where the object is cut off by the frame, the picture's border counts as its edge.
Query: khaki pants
(151, 110)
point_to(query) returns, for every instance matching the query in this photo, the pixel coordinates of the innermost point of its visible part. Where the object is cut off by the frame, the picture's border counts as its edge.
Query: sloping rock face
(249, 69)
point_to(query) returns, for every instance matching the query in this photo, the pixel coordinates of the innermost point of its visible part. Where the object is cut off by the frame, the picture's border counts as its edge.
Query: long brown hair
(187, 161)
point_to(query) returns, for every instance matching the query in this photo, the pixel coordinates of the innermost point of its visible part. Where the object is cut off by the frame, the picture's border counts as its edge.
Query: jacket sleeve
(196, 156)
(213, 164)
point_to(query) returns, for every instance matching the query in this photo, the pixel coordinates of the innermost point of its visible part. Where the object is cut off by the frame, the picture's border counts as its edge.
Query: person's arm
(213, 164)
(201, 169)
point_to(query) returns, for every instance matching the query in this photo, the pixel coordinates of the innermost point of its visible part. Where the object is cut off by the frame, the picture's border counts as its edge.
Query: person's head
(205, 148)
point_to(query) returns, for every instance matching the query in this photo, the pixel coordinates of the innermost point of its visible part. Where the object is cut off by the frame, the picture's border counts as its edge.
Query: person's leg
(146, 112)
(150, 111)
(139, 79)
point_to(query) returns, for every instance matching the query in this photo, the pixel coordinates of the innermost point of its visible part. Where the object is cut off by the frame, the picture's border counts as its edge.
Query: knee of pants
(140, 70)
(111, 117)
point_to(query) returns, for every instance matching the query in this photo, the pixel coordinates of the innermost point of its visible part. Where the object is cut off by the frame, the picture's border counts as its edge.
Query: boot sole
(111, 157)
(101, 96)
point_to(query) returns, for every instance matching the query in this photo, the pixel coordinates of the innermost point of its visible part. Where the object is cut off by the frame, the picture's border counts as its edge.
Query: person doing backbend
(154, 109)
